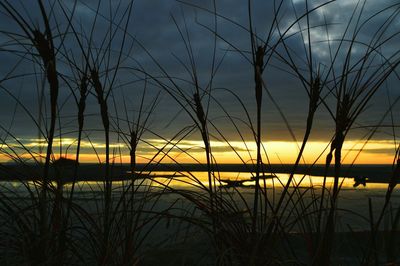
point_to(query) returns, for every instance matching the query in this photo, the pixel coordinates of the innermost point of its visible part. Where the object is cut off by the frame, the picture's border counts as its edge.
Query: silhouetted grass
(127, 222)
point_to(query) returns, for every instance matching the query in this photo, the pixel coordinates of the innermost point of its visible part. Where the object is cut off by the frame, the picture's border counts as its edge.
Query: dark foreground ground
(194, 248)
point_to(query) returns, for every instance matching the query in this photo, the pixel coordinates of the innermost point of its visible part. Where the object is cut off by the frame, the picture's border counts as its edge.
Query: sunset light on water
(215, 132)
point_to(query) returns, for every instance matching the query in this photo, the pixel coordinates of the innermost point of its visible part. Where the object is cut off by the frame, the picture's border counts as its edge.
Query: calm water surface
(353, 202)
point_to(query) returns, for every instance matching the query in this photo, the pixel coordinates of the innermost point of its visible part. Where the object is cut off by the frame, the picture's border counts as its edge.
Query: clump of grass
(98, 87)
(245, 228)
(43, 43)
(354, 88)
(258, 70)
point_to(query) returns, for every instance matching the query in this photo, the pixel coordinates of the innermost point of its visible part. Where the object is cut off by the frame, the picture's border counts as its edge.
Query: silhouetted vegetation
(53, 216)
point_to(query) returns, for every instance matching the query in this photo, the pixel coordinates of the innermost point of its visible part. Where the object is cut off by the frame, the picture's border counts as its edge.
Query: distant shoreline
(90, 172)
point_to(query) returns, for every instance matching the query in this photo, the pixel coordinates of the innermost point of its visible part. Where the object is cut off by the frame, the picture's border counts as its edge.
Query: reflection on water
(193, 180)
(353, 202)
(201, 178)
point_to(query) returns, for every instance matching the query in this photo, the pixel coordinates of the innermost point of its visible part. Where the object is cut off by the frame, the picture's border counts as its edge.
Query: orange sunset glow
(236, 152)
(187, 132)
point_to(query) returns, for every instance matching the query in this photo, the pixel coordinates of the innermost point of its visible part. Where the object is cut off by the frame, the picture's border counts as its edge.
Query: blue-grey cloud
(152, 31)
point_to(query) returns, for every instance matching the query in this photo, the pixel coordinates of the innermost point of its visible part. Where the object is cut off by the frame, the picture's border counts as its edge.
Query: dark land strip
(94, 172)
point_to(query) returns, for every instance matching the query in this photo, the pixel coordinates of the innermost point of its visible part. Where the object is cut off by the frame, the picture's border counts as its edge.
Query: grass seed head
(199, 108)
(83, 86)
(259, 64)
(97, 84)
(82, 101)
(100, 98)
(315, 91)
(342, 119)
(42, 45)
(260, 57)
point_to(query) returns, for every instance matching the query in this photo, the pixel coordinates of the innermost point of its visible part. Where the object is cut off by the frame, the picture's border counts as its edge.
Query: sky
(144, 64)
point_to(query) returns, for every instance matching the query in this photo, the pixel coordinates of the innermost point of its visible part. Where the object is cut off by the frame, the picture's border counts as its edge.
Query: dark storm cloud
(152, 27)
